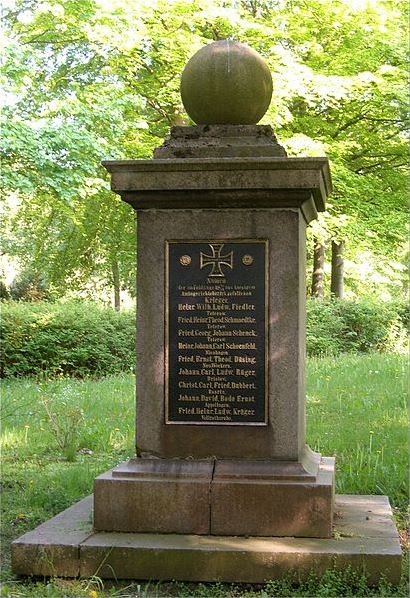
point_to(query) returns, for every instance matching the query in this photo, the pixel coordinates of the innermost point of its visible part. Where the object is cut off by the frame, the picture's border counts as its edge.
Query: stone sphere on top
(226, 82)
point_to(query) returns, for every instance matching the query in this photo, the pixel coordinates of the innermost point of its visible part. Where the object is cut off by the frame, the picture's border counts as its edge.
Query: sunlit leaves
(92, 79)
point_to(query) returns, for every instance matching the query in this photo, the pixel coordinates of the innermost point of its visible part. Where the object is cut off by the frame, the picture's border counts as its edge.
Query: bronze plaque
(216, 332)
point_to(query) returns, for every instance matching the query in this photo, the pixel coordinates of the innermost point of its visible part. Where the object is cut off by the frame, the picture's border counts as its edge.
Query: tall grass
(356, 410)
(39, 476)
(107, 409)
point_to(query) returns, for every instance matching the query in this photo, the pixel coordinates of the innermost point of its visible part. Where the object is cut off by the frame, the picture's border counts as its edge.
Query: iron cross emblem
(216, 260)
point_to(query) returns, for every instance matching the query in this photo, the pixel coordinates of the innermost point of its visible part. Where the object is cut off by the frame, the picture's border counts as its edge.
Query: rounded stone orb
(226, 82)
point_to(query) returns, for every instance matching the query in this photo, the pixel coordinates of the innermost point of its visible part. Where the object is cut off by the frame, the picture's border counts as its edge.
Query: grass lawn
(58, 435)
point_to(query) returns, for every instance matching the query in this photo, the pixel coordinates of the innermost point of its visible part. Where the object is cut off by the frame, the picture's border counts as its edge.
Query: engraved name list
(216, 337)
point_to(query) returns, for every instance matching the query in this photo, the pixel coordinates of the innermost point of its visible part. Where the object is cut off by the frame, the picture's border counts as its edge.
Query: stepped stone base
(219, 498)
(365, 537)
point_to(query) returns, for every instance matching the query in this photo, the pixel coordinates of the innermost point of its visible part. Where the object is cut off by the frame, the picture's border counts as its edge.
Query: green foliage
(65, 418)
(61, 119)
(85, 339)
(87, 80)
(4, 291)
(371, 458)
(336, 327)
(76, 339)
(29, 286)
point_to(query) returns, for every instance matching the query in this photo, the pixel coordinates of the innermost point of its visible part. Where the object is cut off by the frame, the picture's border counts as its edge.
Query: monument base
(364, 538)
(218, 497)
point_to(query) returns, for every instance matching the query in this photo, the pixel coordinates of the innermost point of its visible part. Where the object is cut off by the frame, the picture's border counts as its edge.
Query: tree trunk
(336, 282)
(116, 284)
(318, 270)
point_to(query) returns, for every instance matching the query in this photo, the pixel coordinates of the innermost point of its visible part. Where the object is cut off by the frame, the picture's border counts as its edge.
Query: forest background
(87, 80)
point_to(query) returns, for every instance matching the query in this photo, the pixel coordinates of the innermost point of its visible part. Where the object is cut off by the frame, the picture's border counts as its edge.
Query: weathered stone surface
(154, 495)
(247, 500)
(302, 183)
(220, 141)
(53, 547)
(305, 469)
(226, 82)
(233, 559)
(371, 545)
(366, 516)
(284, 436)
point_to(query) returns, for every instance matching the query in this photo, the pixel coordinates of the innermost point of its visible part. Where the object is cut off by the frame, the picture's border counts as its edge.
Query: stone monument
(223, 486)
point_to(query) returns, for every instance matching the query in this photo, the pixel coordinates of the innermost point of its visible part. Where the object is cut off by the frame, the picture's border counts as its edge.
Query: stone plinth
(154, 495)
(365, 539)
(218, 497)
(247, 499)
(220, 141)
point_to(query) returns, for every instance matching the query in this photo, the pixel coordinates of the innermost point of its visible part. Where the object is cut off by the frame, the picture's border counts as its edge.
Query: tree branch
(53, 42)
(365, 169)
(350, 122)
